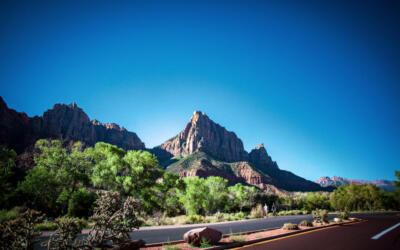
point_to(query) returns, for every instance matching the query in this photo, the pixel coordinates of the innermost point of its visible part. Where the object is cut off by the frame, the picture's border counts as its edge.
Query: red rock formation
(65, 122)
(202, 134)
(336, 181)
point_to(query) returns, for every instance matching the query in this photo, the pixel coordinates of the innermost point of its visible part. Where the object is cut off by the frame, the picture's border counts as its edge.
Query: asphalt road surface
(173, 233)
(353, 236)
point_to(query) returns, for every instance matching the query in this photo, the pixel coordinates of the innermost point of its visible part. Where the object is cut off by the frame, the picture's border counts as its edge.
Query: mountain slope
(205, 148)
(336, 181)
(64, 122)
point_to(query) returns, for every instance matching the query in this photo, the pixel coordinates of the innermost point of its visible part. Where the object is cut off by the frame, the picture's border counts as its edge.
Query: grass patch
(7, 215)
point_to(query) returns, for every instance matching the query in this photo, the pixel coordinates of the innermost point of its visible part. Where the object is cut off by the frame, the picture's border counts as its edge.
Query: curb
(239, 244)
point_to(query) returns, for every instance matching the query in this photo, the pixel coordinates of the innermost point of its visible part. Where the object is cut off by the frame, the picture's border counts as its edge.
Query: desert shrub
(65, 236)
(194, 219)
(290, 226)
(46, 226)
(306, 223)
(204, 243)
(81, 203)
(6, 215)
(240, 215)
(320, 215)
(343, 215)
(18, 233)
(113, 219)
(257, 212)
(219, 217)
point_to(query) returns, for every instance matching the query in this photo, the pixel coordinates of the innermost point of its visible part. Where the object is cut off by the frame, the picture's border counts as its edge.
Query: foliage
(65, 236)
(343, 215)
(320, 215)
(242, 196)
(194, 195)
(257, 212)
(306, 223)
(132, 173)
(6, 215)
(7, 165)
(165, 194)
(41, 189)
(194, 219)
(114, 217)
(204, 243)
(290, 226)
(359, 197)
(81, 203)
(46, 226)
(316, 201)
(18, 233)
(217, 196)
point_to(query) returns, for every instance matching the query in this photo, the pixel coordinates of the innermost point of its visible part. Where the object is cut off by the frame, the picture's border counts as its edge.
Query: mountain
(64, 122)
(204, 148)
(336, 181)
(202, 134)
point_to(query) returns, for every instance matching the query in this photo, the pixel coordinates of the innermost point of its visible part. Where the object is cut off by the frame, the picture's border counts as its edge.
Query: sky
(316, 81)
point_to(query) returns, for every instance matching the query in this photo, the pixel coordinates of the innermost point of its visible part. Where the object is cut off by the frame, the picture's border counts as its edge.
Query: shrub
(240, 215)
(113, 219)
(81, 203)
(219, 217)
(205, 243)
(257, 212)
(65, 235)
(18, 233)
(306, 223)
(343, 215)
(320, 215)
(194, 219)
(7, 215)
(46, 226)
(290, 226)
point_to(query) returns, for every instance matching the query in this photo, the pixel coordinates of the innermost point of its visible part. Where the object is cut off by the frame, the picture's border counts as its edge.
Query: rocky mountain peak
(202, 134)
(260, 157)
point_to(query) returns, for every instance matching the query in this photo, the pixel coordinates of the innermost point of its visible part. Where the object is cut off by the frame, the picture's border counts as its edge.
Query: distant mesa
(337, 181)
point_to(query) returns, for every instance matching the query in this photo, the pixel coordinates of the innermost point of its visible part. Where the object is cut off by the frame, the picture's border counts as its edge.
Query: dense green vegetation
(67, 181)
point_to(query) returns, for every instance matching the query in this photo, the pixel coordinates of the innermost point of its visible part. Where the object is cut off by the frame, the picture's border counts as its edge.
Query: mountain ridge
(337, 181)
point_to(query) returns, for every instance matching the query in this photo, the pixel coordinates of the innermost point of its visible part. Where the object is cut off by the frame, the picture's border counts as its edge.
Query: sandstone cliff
(202, 134)
(64, 122)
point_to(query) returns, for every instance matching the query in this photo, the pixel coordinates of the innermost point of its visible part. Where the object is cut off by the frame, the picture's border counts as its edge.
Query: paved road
(173, 233)
(353, 236)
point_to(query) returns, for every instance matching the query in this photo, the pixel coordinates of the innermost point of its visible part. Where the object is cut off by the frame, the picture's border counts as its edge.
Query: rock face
(202, 134)
(204, 149)
(195, 236)
(336, 181)
(64, 122)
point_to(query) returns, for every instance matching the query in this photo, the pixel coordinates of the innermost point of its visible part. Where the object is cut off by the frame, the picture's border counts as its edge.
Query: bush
(343, 215)
(65, 235)
(257, 212)
(46, 226)
(18, 233)
(320, 215)
(113, 219)
(290, 226)
(81, 203)
(7, 215)
(240, 215)
(306, 223)
(194, 219)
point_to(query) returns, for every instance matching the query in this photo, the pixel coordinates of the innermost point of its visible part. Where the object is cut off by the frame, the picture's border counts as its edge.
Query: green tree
(315, 201)
(7, 164)
(165, 193)
(194, 195)
(242, 196)
(69, 166)
(41, 189)
(132, 173)
(217, 195)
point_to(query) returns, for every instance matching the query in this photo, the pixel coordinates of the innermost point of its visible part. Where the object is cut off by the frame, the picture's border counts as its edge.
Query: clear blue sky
(317, 83)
